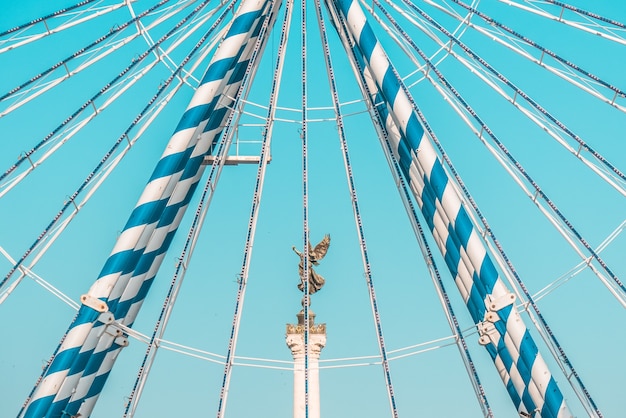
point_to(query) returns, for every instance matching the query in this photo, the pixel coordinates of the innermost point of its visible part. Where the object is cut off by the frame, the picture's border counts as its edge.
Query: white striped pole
(130, 301)
(506, 338)
(133, 240)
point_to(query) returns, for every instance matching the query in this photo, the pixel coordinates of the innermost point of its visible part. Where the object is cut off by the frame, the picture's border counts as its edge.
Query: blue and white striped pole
(76, 348)
(525, 374)
(88, 388)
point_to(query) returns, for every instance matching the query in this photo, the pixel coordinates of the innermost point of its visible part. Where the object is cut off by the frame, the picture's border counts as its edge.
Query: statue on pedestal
(315, 255)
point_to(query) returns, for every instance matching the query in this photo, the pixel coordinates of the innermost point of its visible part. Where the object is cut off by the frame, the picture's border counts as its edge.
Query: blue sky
(586, 319)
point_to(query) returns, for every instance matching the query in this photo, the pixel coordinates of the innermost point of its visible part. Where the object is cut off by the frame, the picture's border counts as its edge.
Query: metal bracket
(486, 329)
(94, 303)
(499, 303)
(121, 341)
(106, 318)
(112, 328)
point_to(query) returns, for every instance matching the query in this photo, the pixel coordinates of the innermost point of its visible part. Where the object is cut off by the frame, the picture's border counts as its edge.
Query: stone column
(295, 342)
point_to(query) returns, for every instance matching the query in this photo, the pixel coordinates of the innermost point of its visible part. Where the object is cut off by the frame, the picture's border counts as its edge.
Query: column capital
(295, 342)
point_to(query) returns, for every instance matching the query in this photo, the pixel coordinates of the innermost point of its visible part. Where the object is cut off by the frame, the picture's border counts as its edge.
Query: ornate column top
(299, 327)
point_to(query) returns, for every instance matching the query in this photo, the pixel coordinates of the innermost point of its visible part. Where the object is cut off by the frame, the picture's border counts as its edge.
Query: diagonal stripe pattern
(84, 358)
(523, 371)
(130, 301)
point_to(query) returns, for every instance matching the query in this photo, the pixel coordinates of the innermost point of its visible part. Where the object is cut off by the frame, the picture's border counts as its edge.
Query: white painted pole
(295, 342)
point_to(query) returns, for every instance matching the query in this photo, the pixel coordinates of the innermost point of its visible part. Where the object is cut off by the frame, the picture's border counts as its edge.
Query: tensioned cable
(564, 226)
(380, 124)
(41, 19)
(356, 211)
(125, 136)
(489, 20)
(69, 202)
(124, 296)
(180, 271)
(586, 84)
(258, 187)
(155, 342)
(104, 89)
(540, 12)
(69, 24)
(490, 232)
(461, 343)
(40, 281)
(337, 363)
(581, 144)
(586, 13)
(62, 137)
(305, 208)
(394, 354)
(79, 52)
(91, 57)
(580, 267)
(365, 364)
(152, 111)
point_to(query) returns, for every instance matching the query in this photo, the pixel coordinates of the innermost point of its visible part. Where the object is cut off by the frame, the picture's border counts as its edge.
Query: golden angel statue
(315, 255)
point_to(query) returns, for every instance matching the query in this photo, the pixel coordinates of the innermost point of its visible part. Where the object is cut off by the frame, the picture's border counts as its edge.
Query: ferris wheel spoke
(585, 13)
(527, 183)
(572, 73)
(306, 268)
(432, 265)
(356, 212)
(43, 18)
(381, 125)
(264, 156)
(503, 260)
(601, 31)
(537, 114)
(197, 21)
(117, 86)
(429, 186)
(74, 19)
(580, 267)
(156, 341)
(105, 168)
(125, 296)
(94, 48)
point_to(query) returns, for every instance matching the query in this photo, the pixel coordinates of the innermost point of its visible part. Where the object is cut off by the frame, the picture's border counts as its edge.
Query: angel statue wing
(317, 253)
